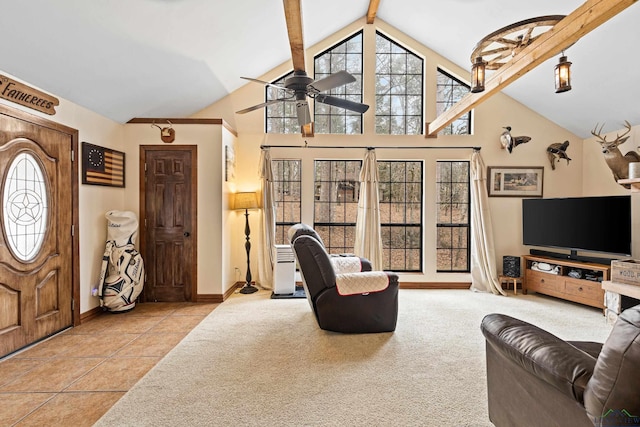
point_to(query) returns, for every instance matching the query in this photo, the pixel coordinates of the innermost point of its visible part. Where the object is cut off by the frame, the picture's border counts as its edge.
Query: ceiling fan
(299, 86)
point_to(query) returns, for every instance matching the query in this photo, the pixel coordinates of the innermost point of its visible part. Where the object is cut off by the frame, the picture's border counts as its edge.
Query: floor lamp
(246, 201)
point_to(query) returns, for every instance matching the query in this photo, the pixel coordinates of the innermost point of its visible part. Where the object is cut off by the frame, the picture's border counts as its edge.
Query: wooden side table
(514, 280)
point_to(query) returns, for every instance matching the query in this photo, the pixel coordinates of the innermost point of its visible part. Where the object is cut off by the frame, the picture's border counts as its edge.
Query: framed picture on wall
(102, 166)
(515, 181)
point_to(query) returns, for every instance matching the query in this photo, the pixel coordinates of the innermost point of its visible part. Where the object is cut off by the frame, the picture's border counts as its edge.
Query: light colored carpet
(255, 361)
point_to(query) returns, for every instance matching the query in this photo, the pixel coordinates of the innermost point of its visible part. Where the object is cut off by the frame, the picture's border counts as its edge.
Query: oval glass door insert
(25, 208)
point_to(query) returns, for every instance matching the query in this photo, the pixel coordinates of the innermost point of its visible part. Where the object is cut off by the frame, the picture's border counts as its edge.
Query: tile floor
(74, 377)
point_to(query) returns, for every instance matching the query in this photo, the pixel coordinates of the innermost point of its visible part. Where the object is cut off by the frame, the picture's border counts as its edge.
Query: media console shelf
(583, 286)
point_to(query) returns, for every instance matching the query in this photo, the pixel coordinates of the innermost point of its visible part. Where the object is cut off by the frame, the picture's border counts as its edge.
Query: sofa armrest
(363, 283)
(363, 264)
(544, 355)
(344, 263)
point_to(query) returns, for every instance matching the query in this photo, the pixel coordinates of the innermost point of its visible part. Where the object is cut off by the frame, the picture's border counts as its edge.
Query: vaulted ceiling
(171, 58)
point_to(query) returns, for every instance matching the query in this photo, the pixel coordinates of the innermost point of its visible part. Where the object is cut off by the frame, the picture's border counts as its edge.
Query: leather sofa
(363, 312)
(536, 379)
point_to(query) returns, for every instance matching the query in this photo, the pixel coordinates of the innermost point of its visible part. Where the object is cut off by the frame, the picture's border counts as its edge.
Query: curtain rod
(368, 147)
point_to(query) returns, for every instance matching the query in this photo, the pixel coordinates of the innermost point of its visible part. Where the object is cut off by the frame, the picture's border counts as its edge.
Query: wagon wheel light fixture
(497, 48)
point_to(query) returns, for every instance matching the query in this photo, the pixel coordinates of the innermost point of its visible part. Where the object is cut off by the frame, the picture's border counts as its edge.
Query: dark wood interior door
(169, 213)
(36, 243)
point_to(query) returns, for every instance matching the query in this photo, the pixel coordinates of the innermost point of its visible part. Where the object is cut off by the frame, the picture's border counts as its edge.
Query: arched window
(347, 56)
(450, 91)
(281, 117)
(399, 89)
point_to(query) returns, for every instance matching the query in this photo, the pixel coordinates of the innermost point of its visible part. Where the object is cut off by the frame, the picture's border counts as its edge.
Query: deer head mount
(167, 134)
(618, 163)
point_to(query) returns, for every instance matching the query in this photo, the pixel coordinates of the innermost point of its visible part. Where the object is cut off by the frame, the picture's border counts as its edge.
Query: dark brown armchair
(338, 303)
(536, 379)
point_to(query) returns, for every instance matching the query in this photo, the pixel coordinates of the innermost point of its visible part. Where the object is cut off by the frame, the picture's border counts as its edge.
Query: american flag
(102, 166)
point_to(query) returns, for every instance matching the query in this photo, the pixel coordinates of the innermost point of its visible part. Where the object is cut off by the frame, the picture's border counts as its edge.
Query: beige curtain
(368, 235)
(268, 223)
(483, 260)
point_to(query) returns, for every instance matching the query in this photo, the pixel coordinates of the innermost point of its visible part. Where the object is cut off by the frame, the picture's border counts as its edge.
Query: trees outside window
(450, 90)
(337, 190)
(281, 117)
(347, 56)
(287, 192)
(400, 188)
(336, 203)
(399, 89)
(453, 210)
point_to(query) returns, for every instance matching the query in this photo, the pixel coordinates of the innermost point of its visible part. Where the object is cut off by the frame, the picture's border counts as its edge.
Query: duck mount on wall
(510, 142)
(556, 152)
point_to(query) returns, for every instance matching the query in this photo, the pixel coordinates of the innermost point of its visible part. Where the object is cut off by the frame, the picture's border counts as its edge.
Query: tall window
(281, 117)
(336, 203)
(336, 209)
(346, 56)
(286, 186)
(399, 89)
(400, 189)
(453, 231)
(450, 91)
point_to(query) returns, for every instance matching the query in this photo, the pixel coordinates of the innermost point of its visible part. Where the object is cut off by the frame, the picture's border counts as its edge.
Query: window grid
(336, 203)
(399, 89)
(453, 210)
(400, 188)
(287, 184)
(347, 56)
(451, 90)
(280, 117)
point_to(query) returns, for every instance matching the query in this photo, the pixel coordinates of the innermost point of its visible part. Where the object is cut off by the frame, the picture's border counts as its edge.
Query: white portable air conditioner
(284, 270)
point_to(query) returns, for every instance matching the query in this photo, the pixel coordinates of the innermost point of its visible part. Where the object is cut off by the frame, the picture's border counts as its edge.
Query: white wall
(214, 274)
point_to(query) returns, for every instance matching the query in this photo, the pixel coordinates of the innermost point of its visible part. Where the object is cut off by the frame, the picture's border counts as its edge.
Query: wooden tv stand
(561, 285)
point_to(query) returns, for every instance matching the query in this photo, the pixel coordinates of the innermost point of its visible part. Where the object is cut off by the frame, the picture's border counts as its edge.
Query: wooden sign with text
(22, 94)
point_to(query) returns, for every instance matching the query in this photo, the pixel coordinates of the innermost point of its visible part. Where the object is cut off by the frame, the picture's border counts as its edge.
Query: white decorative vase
(634, 170)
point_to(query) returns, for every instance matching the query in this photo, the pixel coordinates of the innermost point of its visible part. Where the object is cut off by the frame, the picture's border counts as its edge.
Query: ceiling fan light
(307, 130)
(563, 75)
(477, 75)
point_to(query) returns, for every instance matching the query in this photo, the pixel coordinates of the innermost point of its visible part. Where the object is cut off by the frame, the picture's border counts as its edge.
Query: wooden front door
(168, 208)
(36, 243)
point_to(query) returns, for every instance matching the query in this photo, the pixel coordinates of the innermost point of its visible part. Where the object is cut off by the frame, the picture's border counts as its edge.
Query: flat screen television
(591, 224)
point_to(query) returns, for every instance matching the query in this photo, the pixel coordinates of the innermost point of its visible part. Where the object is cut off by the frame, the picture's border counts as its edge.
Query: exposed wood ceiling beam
(569, 30)
(373, 10)
(293, 16)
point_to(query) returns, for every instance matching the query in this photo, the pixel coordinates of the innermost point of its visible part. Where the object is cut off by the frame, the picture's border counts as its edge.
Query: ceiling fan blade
(332, 81)
(304, 115)
(264, 83)
(264, 104)
(342, 103)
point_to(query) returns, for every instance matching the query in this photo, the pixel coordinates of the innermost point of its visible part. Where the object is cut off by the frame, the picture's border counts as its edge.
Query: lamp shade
(246, 200)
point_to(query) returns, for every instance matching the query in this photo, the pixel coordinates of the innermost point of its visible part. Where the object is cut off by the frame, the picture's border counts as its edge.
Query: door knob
(186, 234)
